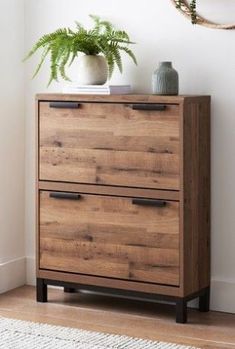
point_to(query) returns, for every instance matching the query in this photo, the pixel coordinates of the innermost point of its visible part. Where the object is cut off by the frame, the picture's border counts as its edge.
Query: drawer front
(107, 236)
(110, 144)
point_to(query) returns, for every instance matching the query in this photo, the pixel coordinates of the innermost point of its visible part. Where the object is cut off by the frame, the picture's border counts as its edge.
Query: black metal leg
(41, 291)
(181, 311)
(69, 290)
(204, 301)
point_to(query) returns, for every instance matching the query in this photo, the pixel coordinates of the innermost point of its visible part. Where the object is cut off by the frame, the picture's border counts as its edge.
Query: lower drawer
(116, 237)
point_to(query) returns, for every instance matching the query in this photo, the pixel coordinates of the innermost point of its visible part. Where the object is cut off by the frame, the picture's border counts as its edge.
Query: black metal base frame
(181, 302)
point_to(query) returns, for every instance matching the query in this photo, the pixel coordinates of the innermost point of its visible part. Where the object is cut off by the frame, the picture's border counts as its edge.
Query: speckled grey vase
(165, 80)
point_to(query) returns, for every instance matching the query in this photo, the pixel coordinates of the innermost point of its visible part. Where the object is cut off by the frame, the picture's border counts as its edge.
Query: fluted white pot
(92, 70)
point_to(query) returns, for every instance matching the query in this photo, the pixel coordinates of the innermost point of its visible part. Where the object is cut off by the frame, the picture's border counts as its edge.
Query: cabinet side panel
(196, 195)
(36, 183)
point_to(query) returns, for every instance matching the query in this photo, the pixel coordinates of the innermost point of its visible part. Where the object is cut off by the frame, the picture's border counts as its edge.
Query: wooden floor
(120, 316)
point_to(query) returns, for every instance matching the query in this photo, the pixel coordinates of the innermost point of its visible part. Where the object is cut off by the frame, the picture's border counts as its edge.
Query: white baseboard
(223, 296)
(30, 271)
(222, 292)
(12, 274)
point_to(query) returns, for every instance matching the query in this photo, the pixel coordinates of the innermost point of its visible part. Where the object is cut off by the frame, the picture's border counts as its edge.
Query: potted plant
(102, 47)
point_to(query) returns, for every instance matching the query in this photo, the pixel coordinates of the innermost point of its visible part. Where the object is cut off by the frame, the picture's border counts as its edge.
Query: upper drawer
(110, 144)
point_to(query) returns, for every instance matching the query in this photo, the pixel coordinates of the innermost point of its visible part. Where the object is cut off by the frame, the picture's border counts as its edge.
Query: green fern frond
(79, 25)
(74, 55)
(96, 19)
(64, 61)
(107, 25)
(43, 57)
(111, 64)
(122, 35)
(117, 57)
(129, 52)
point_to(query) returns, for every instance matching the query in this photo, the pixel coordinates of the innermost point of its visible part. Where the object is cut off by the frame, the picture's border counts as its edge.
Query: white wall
(205, 60)
(12, 261)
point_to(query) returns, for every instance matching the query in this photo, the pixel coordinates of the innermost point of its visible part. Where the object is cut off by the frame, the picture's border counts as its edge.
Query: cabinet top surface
(139, 98)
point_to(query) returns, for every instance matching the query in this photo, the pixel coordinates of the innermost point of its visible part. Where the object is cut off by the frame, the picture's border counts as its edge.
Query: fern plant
(192, 7)
(65, 44)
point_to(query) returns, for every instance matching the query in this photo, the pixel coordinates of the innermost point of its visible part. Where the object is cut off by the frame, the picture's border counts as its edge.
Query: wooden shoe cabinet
(123, 196)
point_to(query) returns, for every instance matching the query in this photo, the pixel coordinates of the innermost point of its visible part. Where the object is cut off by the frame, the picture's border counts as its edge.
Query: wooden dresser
(123, 196)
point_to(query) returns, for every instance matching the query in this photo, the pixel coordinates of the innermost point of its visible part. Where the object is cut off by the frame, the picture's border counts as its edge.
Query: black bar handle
(65, 105)
(63, 195)
(147, 202)
(149, 106)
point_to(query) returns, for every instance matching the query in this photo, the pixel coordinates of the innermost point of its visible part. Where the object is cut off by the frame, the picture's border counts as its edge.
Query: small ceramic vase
(165, 80)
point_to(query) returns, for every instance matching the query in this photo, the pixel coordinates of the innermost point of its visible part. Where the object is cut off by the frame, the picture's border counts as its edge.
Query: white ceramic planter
(92, 70)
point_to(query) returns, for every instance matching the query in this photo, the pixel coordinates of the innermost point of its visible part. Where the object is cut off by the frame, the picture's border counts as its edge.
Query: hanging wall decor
(189, 9)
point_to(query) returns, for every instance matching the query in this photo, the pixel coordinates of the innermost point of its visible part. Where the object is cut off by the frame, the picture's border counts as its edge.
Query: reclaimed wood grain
(110, 144)
(110, 190)
(109, 236)
(195, 197)
(130, 98)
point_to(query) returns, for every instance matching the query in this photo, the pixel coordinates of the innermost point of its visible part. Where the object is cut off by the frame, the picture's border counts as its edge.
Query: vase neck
(165, 64)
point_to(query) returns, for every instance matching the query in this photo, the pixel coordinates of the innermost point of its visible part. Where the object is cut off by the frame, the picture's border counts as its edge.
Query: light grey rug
(16, 334)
